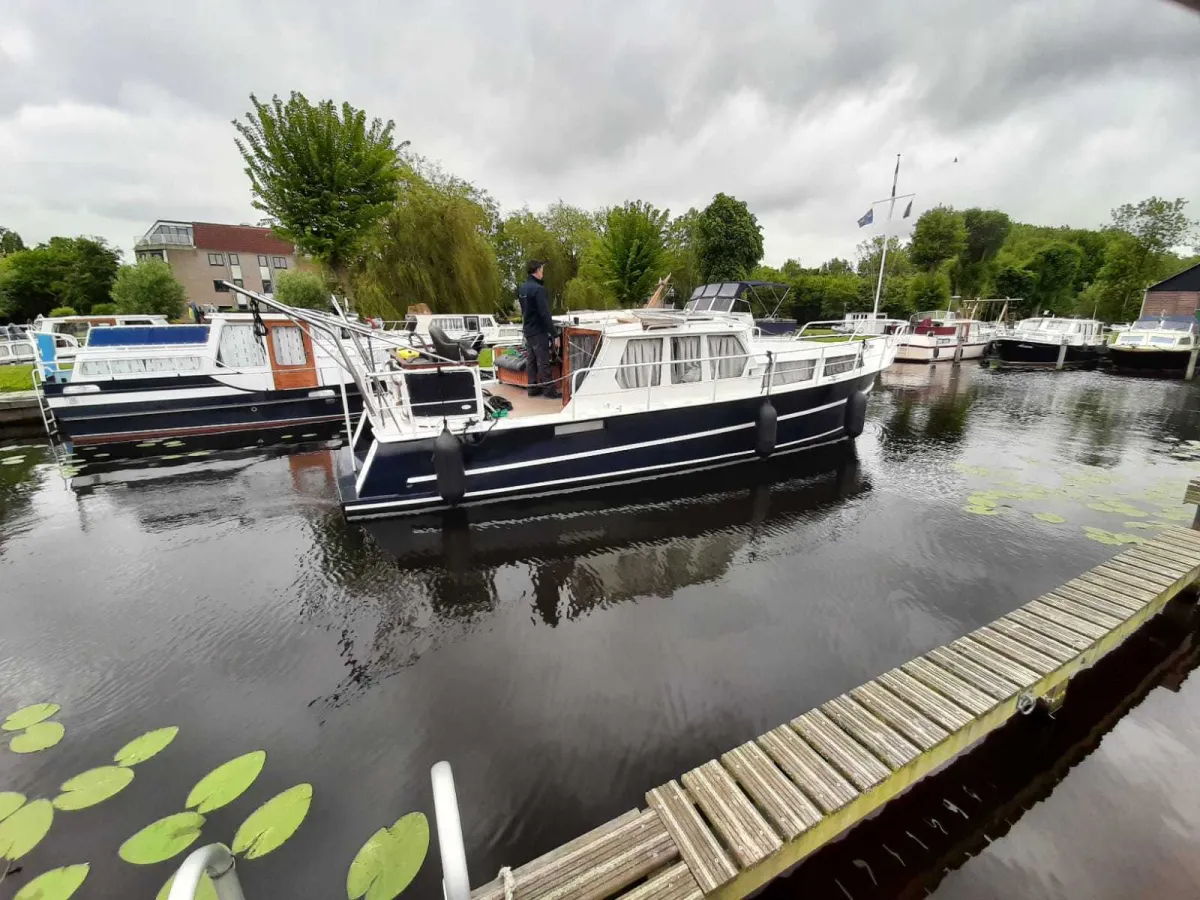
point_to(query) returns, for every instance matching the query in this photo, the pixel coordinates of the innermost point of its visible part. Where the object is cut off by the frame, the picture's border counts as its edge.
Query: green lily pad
(24, 829)
(1103, 506)
(205, 891)
(1101, 536)
(57, 884)
(172, 456)
(173, 444)
(1129, 538)
(226, 782)
(273, 822)
(1151, 526)
(980, 510)
(10, 802)
(92, 787)
(981, 500)
(163, 839)
(12, 460)
(37, 737)
(142, 748)
(29, 715)
(389, 860)
(146, 444)
(1052, 518)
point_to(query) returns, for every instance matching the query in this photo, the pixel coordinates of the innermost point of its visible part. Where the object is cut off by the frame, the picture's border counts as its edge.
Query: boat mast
(891, 202)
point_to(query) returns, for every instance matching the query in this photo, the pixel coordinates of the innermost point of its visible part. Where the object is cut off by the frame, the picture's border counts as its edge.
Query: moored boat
(1155, 345)
(1040, 341)
(941, 335)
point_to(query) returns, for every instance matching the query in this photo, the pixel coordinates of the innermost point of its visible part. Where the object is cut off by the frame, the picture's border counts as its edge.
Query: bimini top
(147, 335)
(720, 295)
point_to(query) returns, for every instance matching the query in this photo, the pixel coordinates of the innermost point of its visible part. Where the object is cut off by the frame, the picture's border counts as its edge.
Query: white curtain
(686, 365)
(239, 348)
(792, 371)
(838, 365)
(729, 357)
(642, 363)
(289, 345)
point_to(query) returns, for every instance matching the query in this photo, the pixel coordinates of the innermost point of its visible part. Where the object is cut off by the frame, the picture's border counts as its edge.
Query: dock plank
(1036, 639)
(1193, 491)
(672, 883)
(1068, 614)
(935, 706)
(1168, 561)
(1093, 603)
(699, 847)
(1137, 578)
(844, 753)
(1013, 651)
(734, 818)
(1104, 591)
(944, 678)
(1179, 548)
(817, 779)
(1068, 637)
(1146, 572)
(870, 731)
(784, 805)
(981, 654)
(1132, 561)
(1118, 583)
(900, 715)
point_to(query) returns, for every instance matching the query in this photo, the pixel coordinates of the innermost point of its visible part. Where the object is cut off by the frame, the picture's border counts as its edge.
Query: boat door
(292, 362)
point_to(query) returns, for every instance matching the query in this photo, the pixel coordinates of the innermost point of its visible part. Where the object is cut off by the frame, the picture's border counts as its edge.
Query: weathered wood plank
(699, 847)
(672, 883)
(1036, 639)
(1066, 613)
(1064, 635)
(1103, 591)
(1128, 585)
(978, 677)
(734, 818)
(935, 706)
(1168, 561)
(963, 690)
(786, 808)
(1138, 578)
(870, 731)
(1192, 495)
(1136, 568)
(1091, 603)
(840, 750)
(1170, 540)
(1186, 536)
(1140, 561)
(1013, 651)
(1020, 675)
(900, 715)
(817, 779)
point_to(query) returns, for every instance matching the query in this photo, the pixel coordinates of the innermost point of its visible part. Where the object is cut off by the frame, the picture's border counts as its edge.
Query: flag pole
(883, 255)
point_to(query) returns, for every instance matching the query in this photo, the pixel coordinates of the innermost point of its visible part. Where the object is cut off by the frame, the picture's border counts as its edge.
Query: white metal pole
(216, 861)
(883, 255)
(455, 884)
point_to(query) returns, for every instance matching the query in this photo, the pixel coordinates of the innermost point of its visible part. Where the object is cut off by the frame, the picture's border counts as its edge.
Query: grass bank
(16, 378)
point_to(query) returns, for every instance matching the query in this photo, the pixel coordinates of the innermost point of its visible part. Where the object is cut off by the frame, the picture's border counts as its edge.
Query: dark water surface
(568, 661)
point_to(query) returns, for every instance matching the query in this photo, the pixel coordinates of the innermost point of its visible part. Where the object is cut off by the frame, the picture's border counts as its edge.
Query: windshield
(1131, 340)
(1162, 340)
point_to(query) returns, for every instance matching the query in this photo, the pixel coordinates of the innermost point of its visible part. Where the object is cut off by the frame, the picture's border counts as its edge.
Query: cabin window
(641, 363)
(288, 343)
(686, 364)
(722, 304)
(471, 323)
(792, 371)
(728, 356)
(127, 366)
(838, 365)
(93, 367)
(1162, 340)
(1130, 340)
(1185, 341)
(239, 349)
(582, 347)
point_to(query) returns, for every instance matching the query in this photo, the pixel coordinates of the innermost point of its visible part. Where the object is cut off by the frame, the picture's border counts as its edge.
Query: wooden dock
(725, 829)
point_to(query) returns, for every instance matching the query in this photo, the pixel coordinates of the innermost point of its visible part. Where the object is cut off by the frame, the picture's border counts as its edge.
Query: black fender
(856, 414)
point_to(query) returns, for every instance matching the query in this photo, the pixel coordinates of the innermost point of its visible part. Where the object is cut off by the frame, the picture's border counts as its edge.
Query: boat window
(728, 356)
(1185, 341)
(697, 292)
(722, 304)
(838, 365)
(93, 367)
(131, 366)
(728, 289)
(1162, 340)
(582, 348)
(710, 290)
(686, 365)
(239, 349)
(471, 323)
(1054, 325)
(1130, 340)
(641, 363)
(791, 371)
(288, 343)
(702, 303)
(410, 325)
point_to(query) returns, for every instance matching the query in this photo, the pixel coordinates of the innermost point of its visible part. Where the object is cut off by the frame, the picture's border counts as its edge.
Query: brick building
(1178, 295)
(202, 255)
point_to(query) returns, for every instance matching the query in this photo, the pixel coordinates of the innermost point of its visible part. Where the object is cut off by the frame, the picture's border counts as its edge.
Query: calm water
(569, 660)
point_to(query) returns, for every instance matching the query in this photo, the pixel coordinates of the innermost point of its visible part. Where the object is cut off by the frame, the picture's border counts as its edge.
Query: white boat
(480, 329)
(1039, 341)
(942, 335)
(1155, 345)
(15, 345)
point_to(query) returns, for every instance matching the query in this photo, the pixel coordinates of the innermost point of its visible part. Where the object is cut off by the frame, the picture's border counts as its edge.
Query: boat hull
(927, 353)
(397, 478)
(1021, 352)
(1170, 363)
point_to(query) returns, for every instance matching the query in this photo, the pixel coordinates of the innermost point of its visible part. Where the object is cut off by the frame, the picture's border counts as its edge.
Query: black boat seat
(459, 351)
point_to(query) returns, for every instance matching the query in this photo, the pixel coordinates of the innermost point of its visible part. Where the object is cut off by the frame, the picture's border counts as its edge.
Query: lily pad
(1052, 518)
(981, 500)
(389, 860)
(12, 460)
(173, 444)
(273, 822)
(1101, 536)
(980, 510)
(1129, 538)
(163, 839)
(57, 884)
(1151, 526)
(92, 787)
(142, 748)
(205, 891)
(29, 715)
(10, 802)
(37, 737)
(226, 782)
(24, 829)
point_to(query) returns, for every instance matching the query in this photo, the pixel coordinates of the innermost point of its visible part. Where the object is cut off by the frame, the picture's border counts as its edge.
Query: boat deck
(523, 404)
(733, 824)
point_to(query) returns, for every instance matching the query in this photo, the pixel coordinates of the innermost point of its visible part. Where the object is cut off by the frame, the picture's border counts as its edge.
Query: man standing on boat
(538, 328)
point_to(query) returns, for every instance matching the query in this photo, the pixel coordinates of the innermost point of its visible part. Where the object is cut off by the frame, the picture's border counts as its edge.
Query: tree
(75, 272)
(987, 229)
(929, 290)
(306, 290)
(583, 294)
(326, 176)
(1014, 282)
(729, 240)
(940, 234)
(1157, 226)
(10, 241)
(61, 312)
(1053, 269)
(149, 288)
(630, 255)
(683, 257)
(523, 236)
(104, 309)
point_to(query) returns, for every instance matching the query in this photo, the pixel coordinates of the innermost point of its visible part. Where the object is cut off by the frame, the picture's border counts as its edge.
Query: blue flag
(868, 218)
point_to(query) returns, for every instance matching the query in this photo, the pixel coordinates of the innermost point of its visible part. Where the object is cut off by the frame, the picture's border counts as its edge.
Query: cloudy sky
(115, 114)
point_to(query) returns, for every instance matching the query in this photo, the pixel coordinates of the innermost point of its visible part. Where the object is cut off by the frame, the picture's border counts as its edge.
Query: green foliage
(431, 247)
(389, 861)
(580, 293)
(630, 256)
(105, 309)
(306, 290)
(939, 235)
(1156, 224)
(24, 829)
(10, 241)
(226, 782)
(62, 311)
(162, 839)
(987, 230)
(1014, 281)
(728, 238)
(76, 272)
(524, 236)
(322, 173)
(29, 715)
(149, 288)
(92, 787)
(929, 290)
(57, 884)
(144, 747)
(41, 736)
(1054, 268)
(206, 890)
(273, 823)
(683, 255)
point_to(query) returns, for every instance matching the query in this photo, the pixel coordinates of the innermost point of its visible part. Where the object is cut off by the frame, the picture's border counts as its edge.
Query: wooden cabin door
(292, 362)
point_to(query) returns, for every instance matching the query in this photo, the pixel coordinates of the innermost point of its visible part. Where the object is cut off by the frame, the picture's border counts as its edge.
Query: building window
(238, 282)
(263, 261)
(216, 259)
(279, 261)
(220, 287)
(233, 259)
(267, 289)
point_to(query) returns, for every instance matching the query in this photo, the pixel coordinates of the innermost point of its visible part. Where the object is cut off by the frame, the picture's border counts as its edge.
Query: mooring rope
(510, 883)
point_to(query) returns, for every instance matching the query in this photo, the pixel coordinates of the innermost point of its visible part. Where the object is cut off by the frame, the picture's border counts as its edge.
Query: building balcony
(154, 241)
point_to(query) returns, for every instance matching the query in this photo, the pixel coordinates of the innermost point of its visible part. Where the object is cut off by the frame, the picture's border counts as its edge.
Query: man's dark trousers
(538, 367)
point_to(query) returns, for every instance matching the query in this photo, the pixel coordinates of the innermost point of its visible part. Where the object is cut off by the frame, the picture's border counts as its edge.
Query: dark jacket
(535, 307)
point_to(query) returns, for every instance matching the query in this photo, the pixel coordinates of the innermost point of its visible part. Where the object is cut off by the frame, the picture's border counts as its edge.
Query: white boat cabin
(458, 326)
(1053, 330)
(1159, 333)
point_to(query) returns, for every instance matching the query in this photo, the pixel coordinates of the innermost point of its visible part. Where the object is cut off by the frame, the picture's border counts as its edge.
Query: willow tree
(324, 174)
(431, 246)
(630, 255)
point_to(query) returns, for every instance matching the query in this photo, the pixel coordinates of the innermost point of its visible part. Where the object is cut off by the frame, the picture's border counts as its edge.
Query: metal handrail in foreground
(456, 883)
(218, 864)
